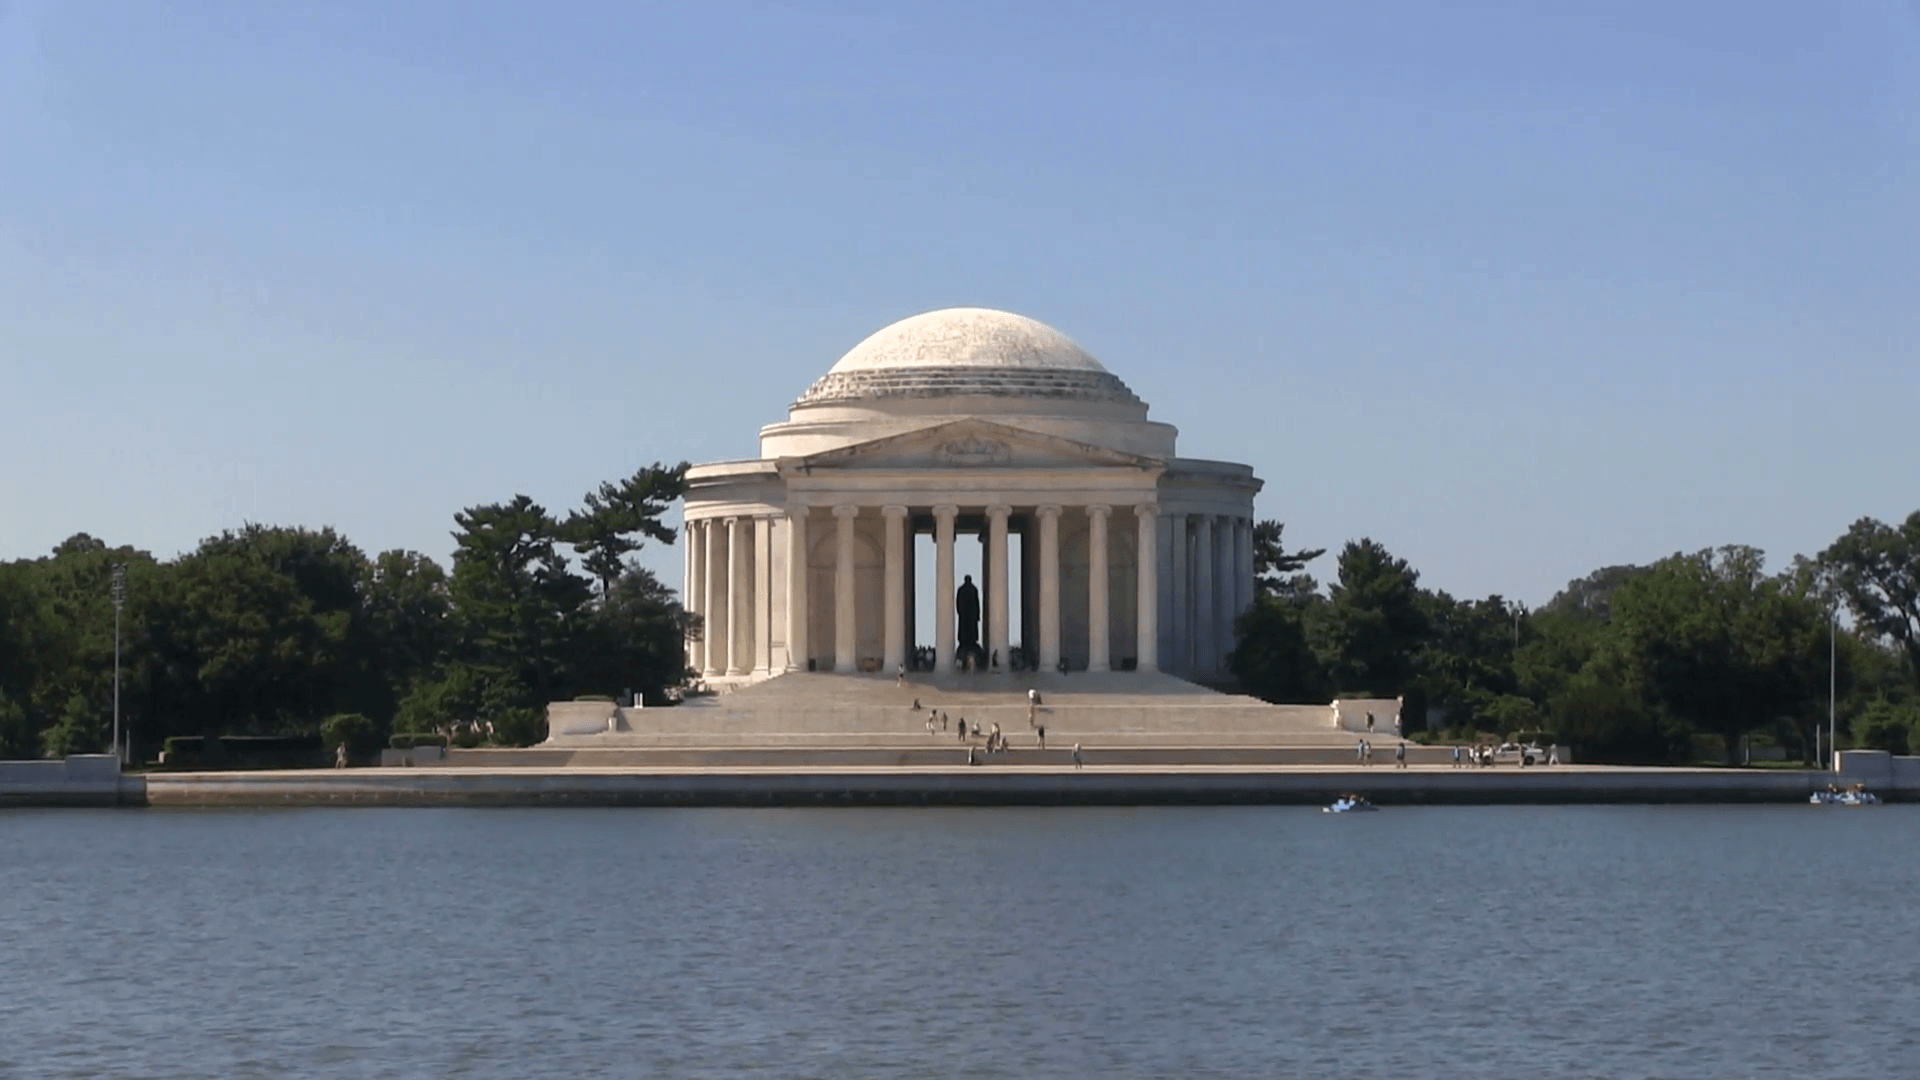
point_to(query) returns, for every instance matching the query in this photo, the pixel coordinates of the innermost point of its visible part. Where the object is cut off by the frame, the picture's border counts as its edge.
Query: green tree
(1374, 623)
(616, 516)
(1718, 644)
(1465, 662)
(1277, 571)
(408, 610)
(633, 641)
(1273, 658)
(517, 602)
(1606, 721)
(1877, 569)
(260, 631)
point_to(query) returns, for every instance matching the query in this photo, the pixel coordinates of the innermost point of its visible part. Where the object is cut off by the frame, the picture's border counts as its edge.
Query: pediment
(969, 444)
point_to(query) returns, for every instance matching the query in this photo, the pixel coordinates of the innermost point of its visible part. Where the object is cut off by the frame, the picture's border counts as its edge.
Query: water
(1499, 942)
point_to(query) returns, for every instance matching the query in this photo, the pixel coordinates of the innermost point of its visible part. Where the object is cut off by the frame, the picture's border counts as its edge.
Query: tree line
(1627, 664)
(274, 630)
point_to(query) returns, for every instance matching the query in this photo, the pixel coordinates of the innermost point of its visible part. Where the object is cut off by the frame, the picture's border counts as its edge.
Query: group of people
(1481, 755)
(996, 741)
(1363, 753)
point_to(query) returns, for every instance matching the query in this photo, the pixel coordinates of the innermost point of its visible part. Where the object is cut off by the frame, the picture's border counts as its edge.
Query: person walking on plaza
(1369, 722)
(1043, 736)
(340, 756)
(1400, 755)
(1077, 763)
(1456, 755)
(943, 721)
(900, 677)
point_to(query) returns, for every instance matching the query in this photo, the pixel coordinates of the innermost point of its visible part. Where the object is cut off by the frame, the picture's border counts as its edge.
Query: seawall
(978, 786)
(97, 781)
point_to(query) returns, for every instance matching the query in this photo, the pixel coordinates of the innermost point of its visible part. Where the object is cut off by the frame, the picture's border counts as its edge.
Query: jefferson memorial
(967, 425)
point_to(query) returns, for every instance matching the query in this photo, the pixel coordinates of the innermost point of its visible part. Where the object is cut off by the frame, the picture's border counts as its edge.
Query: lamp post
(119, 599)
(1833, 652)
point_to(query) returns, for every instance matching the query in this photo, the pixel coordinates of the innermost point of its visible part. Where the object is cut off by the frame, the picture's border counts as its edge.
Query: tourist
(943, 721)
(340, 756)
(929, 725)
(1456, 755)
(963, 729)
(916, 704)
(1077, 763)
(1359, 750)
(1043, 736)
(900, 678)
(1369, 723)
(970, 758)
(1553, 754)
(1400, 755)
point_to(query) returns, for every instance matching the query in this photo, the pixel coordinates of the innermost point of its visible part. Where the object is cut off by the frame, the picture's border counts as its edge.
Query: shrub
(1886, 725)
(359, 734)
(407, 740)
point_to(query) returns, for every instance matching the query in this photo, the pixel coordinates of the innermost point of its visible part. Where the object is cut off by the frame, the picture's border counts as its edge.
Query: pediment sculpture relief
(973, 451)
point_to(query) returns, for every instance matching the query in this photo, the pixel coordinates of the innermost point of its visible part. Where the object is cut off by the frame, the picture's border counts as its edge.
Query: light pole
(119, 599)
(1833, 634)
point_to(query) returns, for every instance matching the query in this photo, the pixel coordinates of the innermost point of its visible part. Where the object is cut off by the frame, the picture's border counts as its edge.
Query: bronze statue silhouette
(966, 604)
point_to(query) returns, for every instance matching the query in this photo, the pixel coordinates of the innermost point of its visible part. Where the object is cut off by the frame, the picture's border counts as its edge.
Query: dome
(968, 337)
(967, 351)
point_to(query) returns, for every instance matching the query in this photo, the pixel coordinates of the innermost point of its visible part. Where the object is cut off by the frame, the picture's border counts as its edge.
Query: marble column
(1049, 516)
(1182, 601)
(715, 607)
(999, 632)
(894, 645)
(797, 613)
(763, 594)
(943, 628)
(1226, 575)
(694, 590)
(740, 595)
(1099, 583)
(1246, 566)
(845, 645)
(1204, 594)
(1146, 608)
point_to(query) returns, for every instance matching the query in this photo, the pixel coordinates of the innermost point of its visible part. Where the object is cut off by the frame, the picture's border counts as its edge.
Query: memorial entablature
(968, 423)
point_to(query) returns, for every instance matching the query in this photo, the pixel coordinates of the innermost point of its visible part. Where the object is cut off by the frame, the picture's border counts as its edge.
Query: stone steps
(946, 755)
(851, 711)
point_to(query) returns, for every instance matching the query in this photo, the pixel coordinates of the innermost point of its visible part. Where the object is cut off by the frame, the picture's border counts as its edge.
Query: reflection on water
(1520, 942)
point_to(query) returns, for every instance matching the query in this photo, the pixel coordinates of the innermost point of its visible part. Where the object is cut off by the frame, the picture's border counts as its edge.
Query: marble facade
(971, 426)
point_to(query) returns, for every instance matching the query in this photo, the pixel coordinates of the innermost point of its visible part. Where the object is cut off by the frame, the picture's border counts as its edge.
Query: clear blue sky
(1519, 289)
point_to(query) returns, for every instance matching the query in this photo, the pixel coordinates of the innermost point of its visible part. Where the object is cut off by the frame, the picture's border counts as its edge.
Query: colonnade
(1209, 584)
(1187, 597)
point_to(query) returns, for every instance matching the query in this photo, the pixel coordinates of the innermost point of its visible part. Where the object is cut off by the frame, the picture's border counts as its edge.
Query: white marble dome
(968, 352)
(968, 337)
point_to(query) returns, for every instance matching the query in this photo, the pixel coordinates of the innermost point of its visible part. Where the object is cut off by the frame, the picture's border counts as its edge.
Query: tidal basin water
(1175, 942)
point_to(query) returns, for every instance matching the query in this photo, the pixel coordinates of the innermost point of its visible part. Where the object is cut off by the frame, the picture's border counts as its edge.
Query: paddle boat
(1349, 804)
(1857, 795)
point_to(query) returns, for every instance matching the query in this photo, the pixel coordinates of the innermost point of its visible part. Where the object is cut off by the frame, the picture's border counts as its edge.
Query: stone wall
(79, 780)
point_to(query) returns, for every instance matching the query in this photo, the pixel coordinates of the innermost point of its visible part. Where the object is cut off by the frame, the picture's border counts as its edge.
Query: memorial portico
(967, 426)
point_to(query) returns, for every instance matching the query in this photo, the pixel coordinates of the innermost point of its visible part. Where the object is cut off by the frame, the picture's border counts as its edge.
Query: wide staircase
(825, 720)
